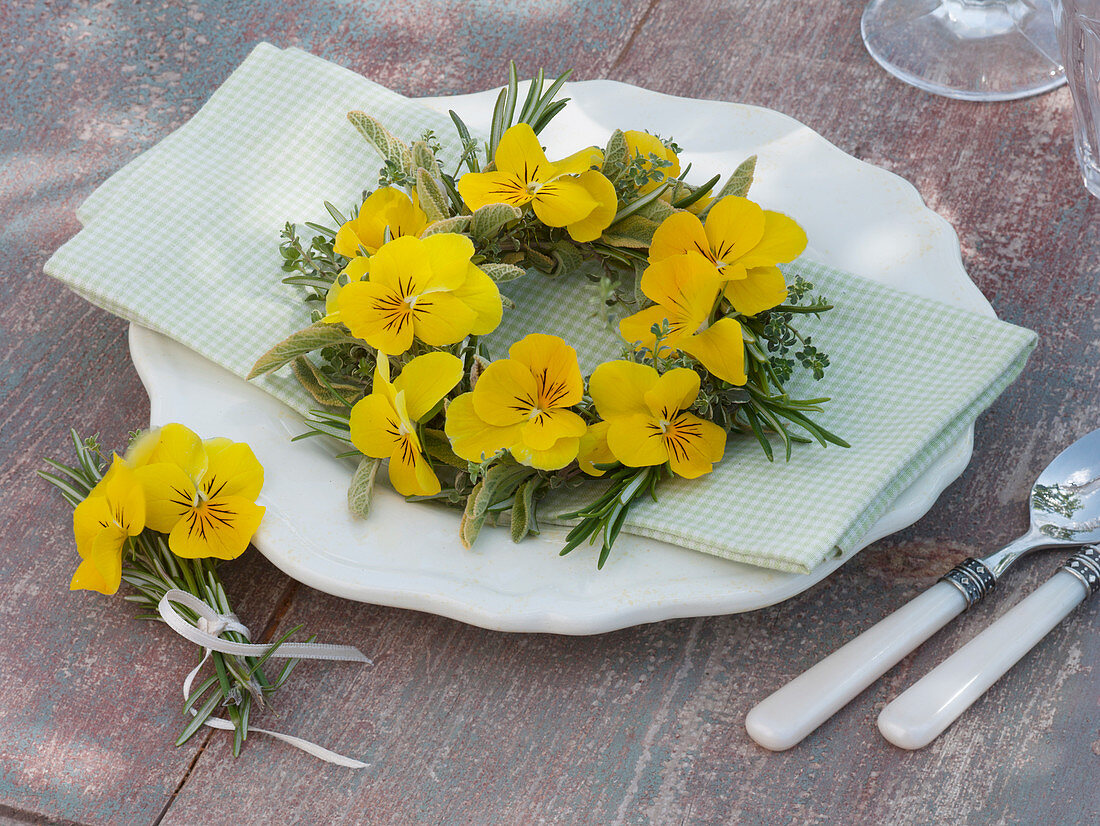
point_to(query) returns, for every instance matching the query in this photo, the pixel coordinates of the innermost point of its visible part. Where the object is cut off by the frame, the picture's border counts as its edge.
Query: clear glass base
(967, 49)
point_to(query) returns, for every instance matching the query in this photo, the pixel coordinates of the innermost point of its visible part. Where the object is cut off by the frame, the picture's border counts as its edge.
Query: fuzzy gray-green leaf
(424, 158)
(361, 489)
(313, 337)
(330, 395)
(489, 219)
(432, 198)
(615, 156)
(459, 223)
(635, 232)
(741, 179)
(380, 138)
(501, 273)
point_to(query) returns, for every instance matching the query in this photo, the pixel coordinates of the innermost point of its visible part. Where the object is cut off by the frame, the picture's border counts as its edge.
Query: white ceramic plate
(858, 218)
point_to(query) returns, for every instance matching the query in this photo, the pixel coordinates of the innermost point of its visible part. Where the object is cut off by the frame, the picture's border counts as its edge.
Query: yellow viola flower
(648, 422)
(568, 193)
(424, 289)
(594, 449)
(201, 493)
(386, 208)
(684, 289)
(383, 424)
(737, 238)
(112, 512)
(645, 144)
(356, 270)
(521, 404)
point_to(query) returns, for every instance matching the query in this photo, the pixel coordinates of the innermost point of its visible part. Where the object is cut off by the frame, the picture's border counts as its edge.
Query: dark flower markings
(396, 309)
(549, 396)
(678, 433)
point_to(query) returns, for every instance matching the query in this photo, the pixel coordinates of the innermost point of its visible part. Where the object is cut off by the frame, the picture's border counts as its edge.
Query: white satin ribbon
(207, 633)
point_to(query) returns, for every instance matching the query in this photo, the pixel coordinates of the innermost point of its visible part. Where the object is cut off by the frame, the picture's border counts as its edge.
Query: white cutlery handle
(920, 714)
(785, 717)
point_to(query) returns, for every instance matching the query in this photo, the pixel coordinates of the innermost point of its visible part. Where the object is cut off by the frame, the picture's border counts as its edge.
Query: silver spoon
(1065, 511)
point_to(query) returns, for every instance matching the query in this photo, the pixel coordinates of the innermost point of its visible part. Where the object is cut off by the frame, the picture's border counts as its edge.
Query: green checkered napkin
(184, 240)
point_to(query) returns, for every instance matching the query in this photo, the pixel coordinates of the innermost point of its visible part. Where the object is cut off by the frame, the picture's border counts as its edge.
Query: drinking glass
(968, 49)
(1078, 23)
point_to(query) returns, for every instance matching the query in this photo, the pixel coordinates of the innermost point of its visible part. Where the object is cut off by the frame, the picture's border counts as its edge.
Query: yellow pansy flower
(383, 424)
(386, 208)
(594, 449)
(685, 289)
(521, 404)
(743, 242)
(645, 144)
(112, 512)
(201, 493)
(425, 289)
(568, 193)
(648, 422)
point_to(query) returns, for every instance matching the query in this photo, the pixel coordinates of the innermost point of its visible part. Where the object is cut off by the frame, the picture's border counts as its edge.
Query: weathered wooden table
(468, 726)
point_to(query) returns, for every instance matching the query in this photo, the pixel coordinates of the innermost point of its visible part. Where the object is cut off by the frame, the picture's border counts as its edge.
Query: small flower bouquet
(406, 289)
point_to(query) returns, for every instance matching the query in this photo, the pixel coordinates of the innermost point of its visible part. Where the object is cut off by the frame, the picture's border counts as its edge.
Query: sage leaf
(389, 147)
(459, 223)
(313, 337)
(324, 392)
(424, 158)
(741, 179)
(635, 232)
(615, 156)
(500, 273)
(491, 218)
(361, 490)
(432, 199)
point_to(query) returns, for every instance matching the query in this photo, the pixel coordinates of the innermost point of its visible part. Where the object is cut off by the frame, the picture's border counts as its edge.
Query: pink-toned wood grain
(467, 726)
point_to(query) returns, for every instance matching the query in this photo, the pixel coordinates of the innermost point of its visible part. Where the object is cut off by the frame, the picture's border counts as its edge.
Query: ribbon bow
(207, 633)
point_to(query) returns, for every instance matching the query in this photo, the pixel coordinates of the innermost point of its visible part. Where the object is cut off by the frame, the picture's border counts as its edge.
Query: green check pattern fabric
(184, 240)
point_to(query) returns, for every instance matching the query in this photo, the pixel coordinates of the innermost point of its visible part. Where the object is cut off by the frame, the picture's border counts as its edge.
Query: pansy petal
(637, 441)
(587, 159)
(721, 349)
(520, 156)
(694, 445)
(562, 201)
(618, 388)
(402, 265)
(675, 390)
(169, 494)
(88, 578)
(233, 470)
(480, 189)
(594, 450)
(479, 292)
(784, 240)
(685, 284)
(449, 255)
(426, 380)
(410, 473)
(734, 226)
(348, 242)
(677, 234)
(554, 365)
(106, 556)
(645, 144)
(544, 430)
(379, 316)
(389, 208)
(220, 528)
(760, 290)
(171, 443)
(375, 426)
(637, 329)
(90, 516)
(607, 204)
(125, 496)
(505, 393)
(471, 437)
(440, 319)
(557, 456)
